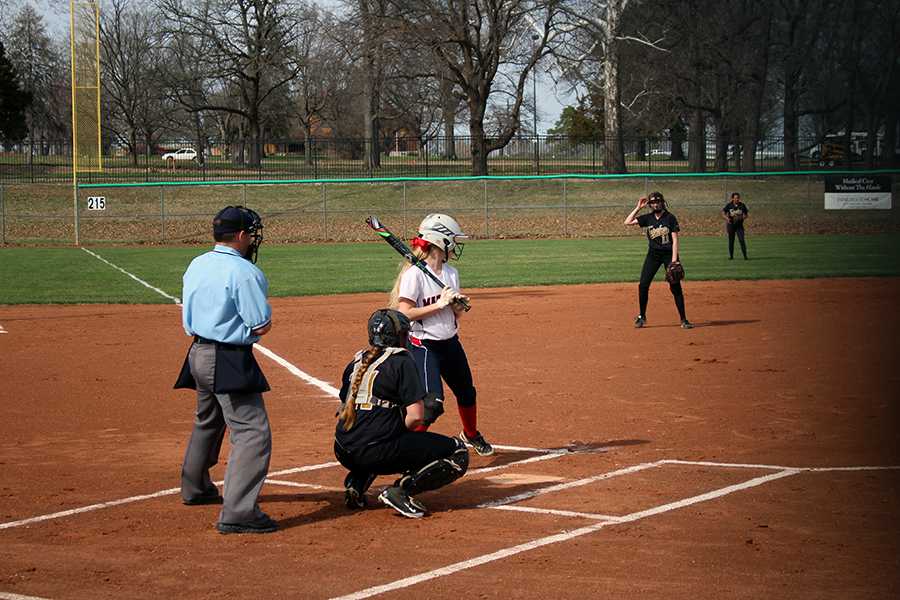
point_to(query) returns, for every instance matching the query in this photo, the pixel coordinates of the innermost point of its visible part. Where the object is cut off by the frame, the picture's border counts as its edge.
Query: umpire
(226, 310)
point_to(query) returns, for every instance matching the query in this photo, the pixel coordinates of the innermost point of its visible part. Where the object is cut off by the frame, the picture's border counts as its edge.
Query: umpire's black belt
(203, 340)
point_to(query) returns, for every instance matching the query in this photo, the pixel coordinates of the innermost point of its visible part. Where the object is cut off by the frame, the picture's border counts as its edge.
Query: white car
(182, 154)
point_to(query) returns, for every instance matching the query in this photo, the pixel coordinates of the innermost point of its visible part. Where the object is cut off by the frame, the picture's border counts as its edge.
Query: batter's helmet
(444, 232)
(388, 328)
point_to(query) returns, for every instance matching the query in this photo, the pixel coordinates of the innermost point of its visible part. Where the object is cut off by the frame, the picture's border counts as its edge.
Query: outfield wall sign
(96, 203)
(857, 192)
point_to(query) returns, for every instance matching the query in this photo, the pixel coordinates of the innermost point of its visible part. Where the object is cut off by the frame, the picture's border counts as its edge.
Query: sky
(550, 101)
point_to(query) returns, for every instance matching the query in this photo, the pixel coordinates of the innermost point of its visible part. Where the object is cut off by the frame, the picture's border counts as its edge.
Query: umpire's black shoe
(265, 524)
(199, 500)
(397, 498)
(477, 441)
(639, 321)
(687, 324)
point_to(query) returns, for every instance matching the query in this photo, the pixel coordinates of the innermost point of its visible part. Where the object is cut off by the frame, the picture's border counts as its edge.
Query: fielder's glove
(674, 272)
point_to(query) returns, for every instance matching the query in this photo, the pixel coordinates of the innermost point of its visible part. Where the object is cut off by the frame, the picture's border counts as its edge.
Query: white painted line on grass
(553, 539)
(8, 596)
(567, 485)
(136, 278)
(325, 387)
(561, 513)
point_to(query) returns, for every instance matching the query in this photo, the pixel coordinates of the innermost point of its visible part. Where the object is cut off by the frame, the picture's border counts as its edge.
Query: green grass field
(70, 275)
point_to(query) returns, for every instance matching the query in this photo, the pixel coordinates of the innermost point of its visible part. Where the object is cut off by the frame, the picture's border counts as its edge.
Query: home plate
(522, 478)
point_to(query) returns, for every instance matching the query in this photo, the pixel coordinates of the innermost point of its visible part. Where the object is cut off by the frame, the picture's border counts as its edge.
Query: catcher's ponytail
(348, 411)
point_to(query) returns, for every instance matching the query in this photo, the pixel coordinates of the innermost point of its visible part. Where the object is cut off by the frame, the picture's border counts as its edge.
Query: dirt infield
(780, 383)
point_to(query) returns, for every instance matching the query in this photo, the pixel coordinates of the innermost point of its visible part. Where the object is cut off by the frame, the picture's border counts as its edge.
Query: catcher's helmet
(444, 232)
(657, 198)
(388, 328)
(232, 219)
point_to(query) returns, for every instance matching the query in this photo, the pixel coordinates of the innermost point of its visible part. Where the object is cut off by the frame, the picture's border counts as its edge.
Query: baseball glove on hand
(674, 272)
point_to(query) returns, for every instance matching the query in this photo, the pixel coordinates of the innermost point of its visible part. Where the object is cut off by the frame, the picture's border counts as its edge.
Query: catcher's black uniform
(659, 235)
(379, 443)
(735, 226)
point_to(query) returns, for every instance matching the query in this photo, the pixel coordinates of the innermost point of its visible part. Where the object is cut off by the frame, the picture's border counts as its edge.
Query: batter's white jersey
(420, 289)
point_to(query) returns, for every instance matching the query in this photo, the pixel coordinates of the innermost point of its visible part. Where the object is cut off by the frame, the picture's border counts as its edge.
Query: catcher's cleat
(481, 445)
(399, 500)
(687, 324)
(355, 490)
(639, 321)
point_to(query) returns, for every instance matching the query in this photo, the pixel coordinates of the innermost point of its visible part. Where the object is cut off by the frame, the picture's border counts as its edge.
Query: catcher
(382, 405)
(735, 213)
(662, 234)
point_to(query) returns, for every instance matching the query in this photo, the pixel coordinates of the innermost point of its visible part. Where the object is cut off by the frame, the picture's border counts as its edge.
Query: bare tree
(477, 43)
(319, 73)
(250, 51)
(130, 54)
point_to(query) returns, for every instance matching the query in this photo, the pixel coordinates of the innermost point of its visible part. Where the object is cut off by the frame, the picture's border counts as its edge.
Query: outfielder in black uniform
(735, 213)
(383, 403)
(662, 234)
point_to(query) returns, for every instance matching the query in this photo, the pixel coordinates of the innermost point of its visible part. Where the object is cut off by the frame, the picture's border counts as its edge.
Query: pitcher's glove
(674, 272)
(434, 408)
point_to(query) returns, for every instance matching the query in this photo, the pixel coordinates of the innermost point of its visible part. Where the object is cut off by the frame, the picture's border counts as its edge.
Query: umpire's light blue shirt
(224, 297)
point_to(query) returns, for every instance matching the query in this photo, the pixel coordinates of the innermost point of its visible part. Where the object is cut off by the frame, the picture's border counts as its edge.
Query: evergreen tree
(13, 102)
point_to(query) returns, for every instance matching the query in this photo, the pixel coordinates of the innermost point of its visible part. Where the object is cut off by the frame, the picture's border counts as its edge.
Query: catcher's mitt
(674, 272)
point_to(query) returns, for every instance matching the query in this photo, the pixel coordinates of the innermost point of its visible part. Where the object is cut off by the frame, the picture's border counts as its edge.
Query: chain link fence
(332, 211)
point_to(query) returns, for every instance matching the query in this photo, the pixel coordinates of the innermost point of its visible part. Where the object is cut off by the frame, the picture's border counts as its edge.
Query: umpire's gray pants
(250, 436)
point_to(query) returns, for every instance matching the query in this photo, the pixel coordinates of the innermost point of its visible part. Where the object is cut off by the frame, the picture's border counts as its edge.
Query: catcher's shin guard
(438, 473)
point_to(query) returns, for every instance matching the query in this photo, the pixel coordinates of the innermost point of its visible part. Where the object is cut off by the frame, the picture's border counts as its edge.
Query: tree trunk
(613, 152)
(479, 147)
(676, 137)
(697, 143)
(791, 124)
(307, 145)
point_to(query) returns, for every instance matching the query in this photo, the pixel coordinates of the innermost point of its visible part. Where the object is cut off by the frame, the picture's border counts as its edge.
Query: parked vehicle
(180, 155)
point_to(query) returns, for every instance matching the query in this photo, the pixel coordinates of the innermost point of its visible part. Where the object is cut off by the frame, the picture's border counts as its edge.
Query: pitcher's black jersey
(659, 231)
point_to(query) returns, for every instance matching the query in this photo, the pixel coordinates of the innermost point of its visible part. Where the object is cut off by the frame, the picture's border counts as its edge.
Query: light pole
(534, 38)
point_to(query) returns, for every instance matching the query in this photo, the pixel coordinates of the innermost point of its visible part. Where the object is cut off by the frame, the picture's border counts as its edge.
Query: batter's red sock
(421, 428)
(469, 417)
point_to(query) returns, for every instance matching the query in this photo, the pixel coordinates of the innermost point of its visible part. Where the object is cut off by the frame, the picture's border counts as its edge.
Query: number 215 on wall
(96, 203)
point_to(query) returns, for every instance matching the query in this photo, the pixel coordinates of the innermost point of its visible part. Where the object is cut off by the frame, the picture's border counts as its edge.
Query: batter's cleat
(399, 500)
(687, 324)
(639, 321)
(481, 445)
